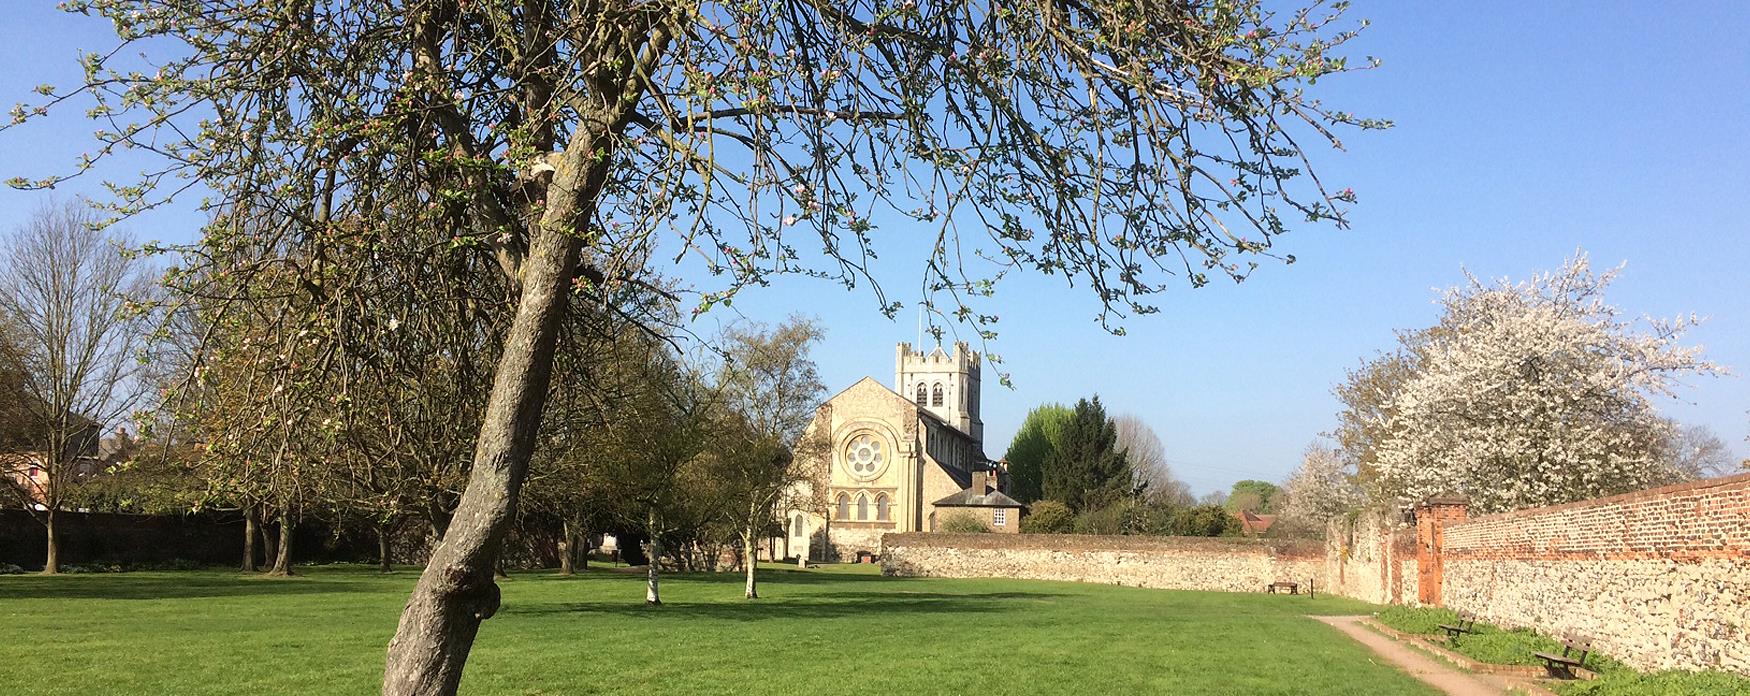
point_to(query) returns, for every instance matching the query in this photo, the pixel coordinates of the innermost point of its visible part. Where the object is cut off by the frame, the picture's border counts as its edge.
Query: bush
(964, 522)
(1048, 517)
(1203, 520)
(1111, 519)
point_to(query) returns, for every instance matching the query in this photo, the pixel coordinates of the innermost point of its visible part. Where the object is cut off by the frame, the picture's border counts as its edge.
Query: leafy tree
(1088, 470)
(1531, 393)
(964, 522)
(771, 389)
(1252, 496)
(1036, 440)
(1322, 487)
(1048, 517)
(574, 145)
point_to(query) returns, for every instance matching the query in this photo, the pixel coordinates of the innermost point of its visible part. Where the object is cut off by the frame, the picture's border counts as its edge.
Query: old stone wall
(1371, 557)
(1658, 578)
(1179, 563)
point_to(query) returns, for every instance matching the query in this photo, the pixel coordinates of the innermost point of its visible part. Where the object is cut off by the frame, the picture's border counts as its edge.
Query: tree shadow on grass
(842, 605)
(137, 586)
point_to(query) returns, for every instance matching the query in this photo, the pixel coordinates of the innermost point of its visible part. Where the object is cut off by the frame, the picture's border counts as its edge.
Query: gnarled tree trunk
(282, 561)
(456, 592)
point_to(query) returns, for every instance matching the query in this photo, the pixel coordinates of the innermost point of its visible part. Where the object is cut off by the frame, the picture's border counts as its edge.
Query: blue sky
(1524, 131)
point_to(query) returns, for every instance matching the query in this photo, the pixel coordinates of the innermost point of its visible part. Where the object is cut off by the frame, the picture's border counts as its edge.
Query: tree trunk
(248, 539)
(384, 563)
(748, 562)
(583, 558)
(455, 592)
(269, 547)
(565, 548)
(652, 558)
(52, 564)
(282, 561)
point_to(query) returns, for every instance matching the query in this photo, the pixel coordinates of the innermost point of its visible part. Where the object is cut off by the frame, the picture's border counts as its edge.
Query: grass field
(833, 630)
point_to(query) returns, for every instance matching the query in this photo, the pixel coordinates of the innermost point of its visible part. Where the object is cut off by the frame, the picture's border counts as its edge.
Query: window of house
(796, 527)
(936, 395)
(862, 507)
(844, 507)
(34, 471)
(881, 508)
(999, 517)
(921, 400)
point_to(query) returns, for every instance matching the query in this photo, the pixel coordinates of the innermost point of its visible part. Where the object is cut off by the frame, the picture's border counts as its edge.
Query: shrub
(1048, 517)
(964, 522)
(1204, 520)
(1107, 520)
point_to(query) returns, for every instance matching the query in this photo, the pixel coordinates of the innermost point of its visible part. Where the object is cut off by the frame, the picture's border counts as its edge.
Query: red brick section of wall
(1691, 521)
(1433, 516)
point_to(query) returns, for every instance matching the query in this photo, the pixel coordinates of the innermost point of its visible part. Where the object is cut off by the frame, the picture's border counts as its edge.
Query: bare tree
(72, 298)
(1148, 461)
(1696, 452)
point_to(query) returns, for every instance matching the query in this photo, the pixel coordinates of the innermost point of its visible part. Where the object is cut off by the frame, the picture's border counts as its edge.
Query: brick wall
(1179, 563)
(1658, 578)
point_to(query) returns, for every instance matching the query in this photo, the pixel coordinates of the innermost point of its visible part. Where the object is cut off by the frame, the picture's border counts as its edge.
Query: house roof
(965, 498)
(1254, 523)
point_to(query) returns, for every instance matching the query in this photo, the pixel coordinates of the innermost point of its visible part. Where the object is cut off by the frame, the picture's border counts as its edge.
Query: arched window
(844, 507)
(796, 527)
(881, 508)
(921, 400)
(936, 395)
(862, 506)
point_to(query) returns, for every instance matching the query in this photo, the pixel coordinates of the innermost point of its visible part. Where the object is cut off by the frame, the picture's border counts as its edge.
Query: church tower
(945, 384)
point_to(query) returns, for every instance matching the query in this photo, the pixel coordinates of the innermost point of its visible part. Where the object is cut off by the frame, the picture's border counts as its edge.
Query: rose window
(865, 456)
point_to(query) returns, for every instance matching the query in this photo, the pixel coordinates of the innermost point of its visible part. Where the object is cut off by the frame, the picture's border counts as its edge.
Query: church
(901, 461)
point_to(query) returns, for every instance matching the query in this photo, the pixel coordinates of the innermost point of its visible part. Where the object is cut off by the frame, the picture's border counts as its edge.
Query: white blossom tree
(1533, 393)
(1323, 487)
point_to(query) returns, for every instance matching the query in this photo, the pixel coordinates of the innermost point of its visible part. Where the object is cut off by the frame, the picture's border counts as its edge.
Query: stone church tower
(945, 384)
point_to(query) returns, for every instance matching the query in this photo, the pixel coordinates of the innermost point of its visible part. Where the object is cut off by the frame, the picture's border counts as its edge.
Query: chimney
(980, 482)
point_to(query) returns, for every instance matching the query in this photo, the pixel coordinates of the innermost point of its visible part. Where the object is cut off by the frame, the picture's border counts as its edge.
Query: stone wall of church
(1178, 563)
(845, 541)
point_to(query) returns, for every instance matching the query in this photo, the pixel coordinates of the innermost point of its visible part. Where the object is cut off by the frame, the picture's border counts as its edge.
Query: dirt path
(1420, 665)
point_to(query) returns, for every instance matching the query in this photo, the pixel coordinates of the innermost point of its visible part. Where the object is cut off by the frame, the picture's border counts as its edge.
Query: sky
(1524, 132)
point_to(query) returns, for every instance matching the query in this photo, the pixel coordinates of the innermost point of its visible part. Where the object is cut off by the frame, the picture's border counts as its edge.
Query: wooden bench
(1574, 652)
(1291, 587)
(1467, 623)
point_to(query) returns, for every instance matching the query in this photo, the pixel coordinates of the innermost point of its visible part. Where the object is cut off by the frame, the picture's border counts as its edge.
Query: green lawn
(834, 630)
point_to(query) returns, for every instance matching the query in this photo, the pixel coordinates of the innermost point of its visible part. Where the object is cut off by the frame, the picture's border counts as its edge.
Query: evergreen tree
(1037, 439)
(1087, 470)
